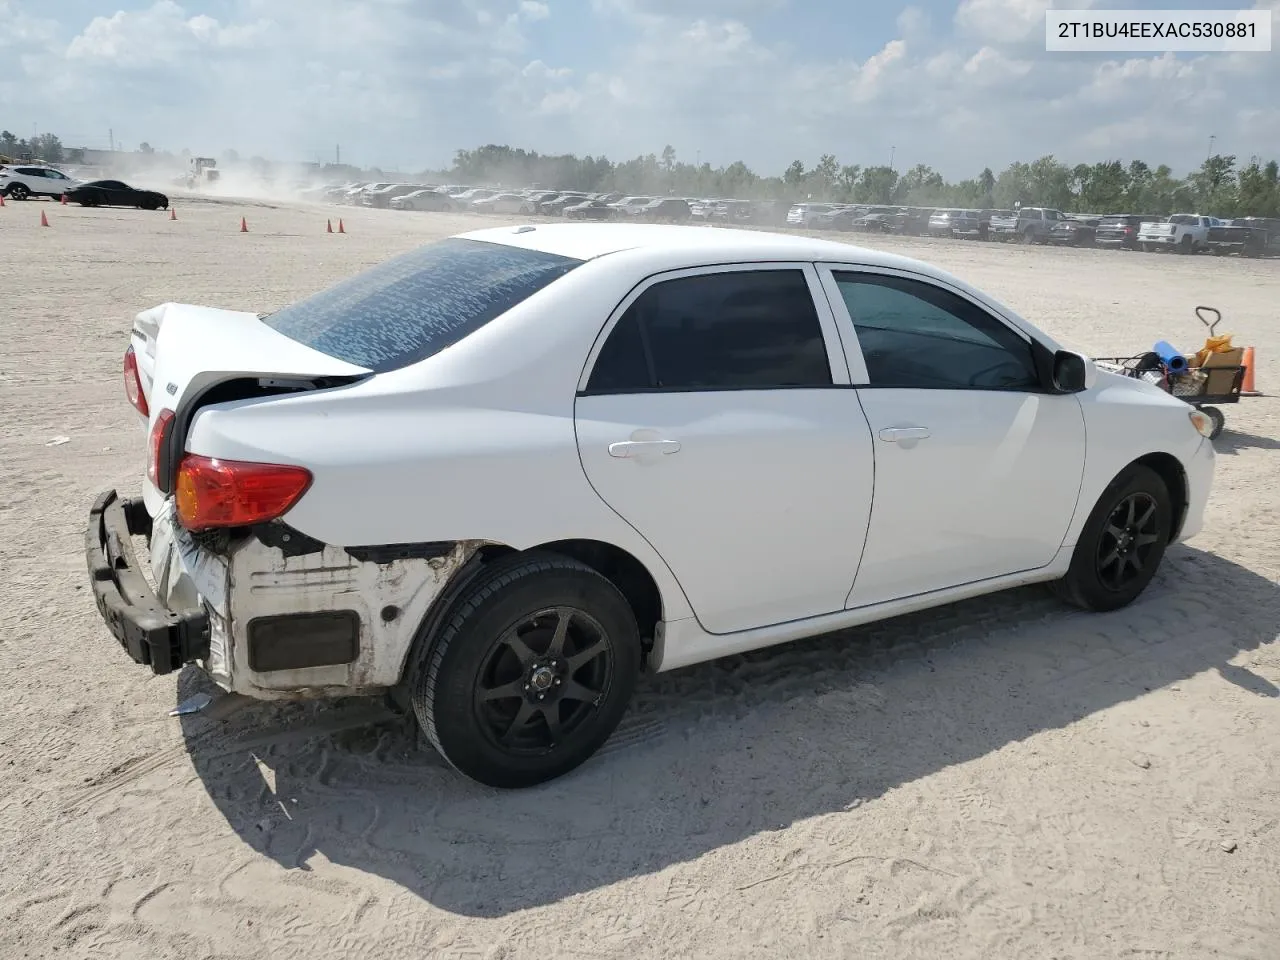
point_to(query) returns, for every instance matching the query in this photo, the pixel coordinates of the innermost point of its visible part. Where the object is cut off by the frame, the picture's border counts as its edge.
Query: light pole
(891, 150)
(1210, 153)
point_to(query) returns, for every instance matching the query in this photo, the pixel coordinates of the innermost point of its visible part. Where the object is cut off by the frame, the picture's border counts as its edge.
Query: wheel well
(614, 564)
(1175, 478)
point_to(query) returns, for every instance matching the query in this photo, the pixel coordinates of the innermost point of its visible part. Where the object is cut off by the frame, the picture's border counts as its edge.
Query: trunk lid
(184, 351)
(1158, 229)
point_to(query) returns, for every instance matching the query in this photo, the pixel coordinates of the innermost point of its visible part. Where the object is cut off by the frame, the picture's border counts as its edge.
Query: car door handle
(894, 434)
(635, 448)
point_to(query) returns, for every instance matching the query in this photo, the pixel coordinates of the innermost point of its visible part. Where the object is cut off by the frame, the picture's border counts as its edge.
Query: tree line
(1220, 187)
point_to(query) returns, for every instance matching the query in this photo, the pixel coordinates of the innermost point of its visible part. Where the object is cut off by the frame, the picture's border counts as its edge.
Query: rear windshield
(414, 306)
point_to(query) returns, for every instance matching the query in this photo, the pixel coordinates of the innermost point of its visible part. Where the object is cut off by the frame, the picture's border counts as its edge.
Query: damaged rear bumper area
(151, 633)
(266, 611)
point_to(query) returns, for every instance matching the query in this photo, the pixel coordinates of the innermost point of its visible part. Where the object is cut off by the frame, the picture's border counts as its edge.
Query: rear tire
(1122, 543)
(531, 672)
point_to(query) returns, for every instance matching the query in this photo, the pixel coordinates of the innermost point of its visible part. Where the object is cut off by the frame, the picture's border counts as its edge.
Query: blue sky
(956, 84)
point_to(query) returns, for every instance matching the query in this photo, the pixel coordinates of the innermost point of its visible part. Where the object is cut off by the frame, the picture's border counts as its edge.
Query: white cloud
(1009, 21)
(721, 77)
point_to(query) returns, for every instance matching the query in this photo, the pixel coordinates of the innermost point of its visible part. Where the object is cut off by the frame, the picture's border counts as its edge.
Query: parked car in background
(382, 197)
(769, 212)
(357, 196)
(420, 200)
(630, 206)
(592, 210)
(940, 222)
(911, 221)
(734, 211)
(1074, 232)
(557, 204)
(969, 225)
(1249, 236)
(807, 214)
(507, 203)
(24, 181)
(838, 218)
(116, 193)
(367, 452)
(1183, 232)
(666, 210)
(465, 198)
(873, 223)
(1119, 230)
(1029, 225)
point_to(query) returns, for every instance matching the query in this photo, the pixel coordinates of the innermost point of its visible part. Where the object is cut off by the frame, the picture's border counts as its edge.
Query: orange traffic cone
(173, 213)
(244, 227)
(1246, 385)
(328, 226)
(64, 199)
(1, 199)
(44, 221)
(341, 229)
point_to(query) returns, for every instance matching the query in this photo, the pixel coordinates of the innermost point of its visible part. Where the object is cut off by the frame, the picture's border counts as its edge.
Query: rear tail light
(133, 382)
(159, 437)
(231, 493)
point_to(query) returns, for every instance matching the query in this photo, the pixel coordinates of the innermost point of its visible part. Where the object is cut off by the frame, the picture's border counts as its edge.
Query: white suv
(23, 182)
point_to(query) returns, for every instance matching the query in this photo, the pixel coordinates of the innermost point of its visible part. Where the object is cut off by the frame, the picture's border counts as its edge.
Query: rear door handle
(894, 434)
(635, 448)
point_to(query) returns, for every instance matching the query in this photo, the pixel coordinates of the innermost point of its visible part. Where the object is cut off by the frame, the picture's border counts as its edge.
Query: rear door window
(737, 330)
(409, 308)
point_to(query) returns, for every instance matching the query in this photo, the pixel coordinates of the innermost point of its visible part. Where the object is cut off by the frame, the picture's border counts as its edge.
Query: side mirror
(1073, 372)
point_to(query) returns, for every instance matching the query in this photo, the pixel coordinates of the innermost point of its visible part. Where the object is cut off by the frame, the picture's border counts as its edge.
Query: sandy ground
(1000, 778)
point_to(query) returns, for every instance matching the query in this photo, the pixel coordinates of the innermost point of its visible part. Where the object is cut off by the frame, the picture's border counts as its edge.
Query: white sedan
(501, 475)
(504, 203)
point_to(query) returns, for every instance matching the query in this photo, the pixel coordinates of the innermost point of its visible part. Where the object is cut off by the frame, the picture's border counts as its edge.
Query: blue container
(1171, 356)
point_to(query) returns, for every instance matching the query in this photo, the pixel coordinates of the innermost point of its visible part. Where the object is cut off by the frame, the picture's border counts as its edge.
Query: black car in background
(1119, 230)
(600, 209)
(667, 209)
(1074, 232)
(911, 221)
(114, 193)
(555, 206)
(969, 225)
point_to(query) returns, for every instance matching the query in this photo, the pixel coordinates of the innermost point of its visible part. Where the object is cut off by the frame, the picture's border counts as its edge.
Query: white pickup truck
(1184, 232)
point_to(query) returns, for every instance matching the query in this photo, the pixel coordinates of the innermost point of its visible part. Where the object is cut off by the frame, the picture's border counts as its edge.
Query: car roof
(688, 245)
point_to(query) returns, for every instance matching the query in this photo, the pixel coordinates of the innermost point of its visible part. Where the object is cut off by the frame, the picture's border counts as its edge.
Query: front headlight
(1202, 422)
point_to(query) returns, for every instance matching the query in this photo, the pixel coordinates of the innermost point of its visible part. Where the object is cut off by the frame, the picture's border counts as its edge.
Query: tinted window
(914, 334)
(724, 331)
(409, 308)
(622, 366)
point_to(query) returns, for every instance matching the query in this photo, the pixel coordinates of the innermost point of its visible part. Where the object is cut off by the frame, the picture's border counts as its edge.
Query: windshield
(409, 308)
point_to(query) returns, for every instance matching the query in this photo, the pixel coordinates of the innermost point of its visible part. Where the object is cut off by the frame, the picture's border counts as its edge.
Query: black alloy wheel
(1121, 544)
(543, 679)
(1129, 538)
(530, 670)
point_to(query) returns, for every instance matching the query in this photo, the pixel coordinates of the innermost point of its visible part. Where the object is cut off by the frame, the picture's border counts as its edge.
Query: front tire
(19, 191)
(1218, 419)
(1122, 543)
(531, 672)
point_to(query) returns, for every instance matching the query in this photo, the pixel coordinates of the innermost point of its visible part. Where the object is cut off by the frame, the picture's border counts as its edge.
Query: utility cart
(1217, 381)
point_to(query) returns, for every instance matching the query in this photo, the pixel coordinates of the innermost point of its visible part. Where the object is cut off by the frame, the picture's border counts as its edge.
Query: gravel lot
(999, 778)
